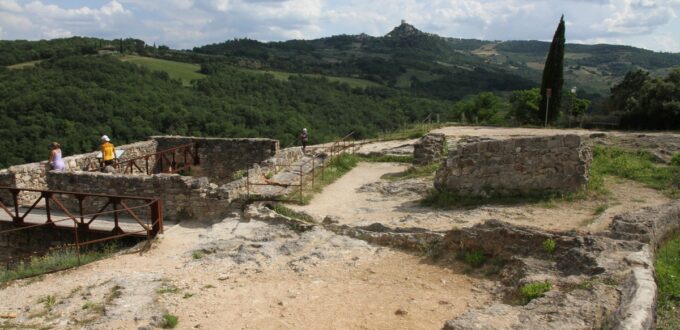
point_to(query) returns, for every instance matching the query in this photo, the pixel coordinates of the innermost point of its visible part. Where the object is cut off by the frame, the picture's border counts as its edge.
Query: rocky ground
(257, 269)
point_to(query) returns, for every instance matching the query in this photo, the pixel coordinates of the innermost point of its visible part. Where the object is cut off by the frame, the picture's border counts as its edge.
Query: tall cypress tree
(553, 74)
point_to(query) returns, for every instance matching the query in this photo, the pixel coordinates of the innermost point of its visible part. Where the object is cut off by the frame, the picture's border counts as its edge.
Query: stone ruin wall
(516, 166)
(221, 158)
(429, 149)
(204, 195)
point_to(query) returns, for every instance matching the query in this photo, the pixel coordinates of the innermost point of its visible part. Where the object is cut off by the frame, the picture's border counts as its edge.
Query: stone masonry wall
(184, 197)
(429, 149)
(220, 158)
(516, 166)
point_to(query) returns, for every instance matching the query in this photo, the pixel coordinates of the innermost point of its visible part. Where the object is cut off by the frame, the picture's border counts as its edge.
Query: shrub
(549, 246)
(474, 258)
(675, 161)
(534, 290)
(170, 321)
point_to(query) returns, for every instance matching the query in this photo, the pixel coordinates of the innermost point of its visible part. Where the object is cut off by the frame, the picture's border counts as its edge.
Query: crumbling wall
(184, 197)
(516, 166)
(221, 158)
(429, 149)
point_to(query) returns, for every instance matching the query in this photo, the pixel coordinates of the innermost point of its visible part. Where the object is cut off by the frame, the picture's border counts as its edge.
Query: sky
(183, 24)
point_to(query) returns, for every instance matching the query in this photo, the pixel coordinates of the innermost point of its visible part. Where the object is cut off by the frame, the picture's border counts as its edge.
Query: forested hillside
(75, 99)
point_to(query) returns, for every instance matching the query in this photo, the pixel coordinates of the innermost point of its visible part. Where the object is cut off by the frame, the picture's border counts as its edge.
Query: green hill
(184, 72)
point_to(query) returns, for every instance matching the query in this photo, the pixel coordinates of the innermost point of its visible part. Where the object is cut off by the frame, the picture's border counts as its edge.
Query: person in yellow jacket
(108, 152)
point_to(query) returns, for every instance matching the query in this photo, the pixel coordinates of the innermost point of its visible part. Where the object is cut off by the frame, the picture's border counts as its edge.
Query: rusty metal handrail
(114, 200)
(128, 165)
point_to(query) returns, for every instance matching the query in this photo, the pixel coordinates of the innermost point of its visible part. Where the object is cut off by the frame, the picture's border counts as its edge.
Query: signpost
(548, 93)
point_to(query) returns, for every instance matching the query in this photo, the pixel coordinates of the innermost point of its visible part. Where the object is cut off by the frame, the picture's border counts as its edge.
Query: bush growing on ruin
(549, 246)
(531, 291)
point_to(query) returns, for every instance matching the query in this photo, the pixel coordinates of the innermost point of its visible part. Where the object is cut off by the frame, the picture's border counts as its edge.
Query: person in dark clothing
(303, 139)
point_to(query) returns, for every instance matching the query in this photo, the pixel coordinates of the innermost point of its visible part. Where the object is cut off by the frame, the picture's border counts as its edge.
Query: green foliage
(675, 160)
(549, 246)
(56, 260)
(482, 109)
(382, 158)
(48, 301)
(167, 288)
(531, 291)
(638, 166)
(198, 254)
(553, 75)
(667, 266)
(525, 108)
(170, 321)
(184, 72)
(474, 258)
(653, 105)
(75, 100)
(283, 210)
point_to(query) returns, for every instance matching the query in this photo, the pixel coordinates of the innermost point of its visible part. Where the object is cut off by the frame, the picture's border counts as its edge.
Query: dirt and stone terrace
(257, 269)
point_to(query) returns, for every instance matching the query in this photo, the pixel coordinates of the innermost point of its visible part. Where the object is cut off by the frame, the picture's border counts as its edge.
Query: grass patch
(56, 260)
(379, 158)
(48, 301)
(184, 72)
(549, 246)
(198, 254)
(600, 209)
(667, 265)
(167, 288)
(534, 290)
(474, 258)
(414, 172)
(285, 211)
(170, 321)
(637, 166)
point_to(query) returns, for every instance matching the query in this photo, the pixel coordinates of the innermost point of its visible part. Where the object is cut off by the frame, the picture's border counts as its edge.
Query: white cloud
(10, 5)
(188, 23)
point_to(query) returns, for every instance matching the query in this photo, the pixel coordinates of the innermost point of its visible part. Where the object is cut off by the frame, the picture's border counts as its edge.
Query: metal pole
(547, 107)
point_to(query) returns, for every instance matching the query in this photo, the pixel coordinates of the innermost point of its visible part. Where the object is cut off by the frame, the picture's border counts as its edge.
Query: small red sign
(548, 92)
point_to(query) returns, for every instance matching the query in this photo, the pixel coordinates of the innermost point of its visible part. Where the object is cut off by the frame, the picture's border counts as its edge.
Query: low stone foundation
(516, 166)
(429, 149)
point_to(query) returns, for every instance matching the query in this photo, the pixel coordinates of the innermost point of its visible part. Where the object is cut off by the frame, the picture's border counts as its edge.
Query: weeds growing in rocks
(198, 254)
(167, 288)
(48, 301)
(170, 321)
(534, 290)
(283, 210)
(549, 246)
(474, 258)
(667, 267)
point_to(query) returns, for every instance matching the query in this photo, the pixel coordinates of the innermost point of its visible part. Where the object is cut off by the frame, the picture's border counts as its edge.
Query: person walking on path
(303, 139)
(108, 152)
(56, 162)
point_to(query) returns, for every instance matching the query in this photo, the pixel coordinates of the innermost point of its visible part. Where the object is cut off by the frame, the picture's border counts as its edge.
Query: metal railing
(334, 150)
(80, 221)
(172, 160)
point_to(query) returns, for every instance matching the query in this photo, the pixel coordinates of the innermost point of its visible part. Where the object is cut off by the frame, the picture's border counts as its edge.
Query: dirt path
(361, 198)
(248, 275)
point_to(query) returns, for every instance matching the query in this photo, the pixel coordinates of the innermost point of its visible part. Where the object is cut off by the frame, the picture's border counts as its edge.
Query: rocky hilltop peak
(404, 30)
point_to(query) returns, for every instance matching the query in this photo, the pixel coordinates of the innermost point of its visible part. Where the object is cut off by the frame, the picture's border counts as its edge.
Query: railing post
(146, 161)
(15, 199)
(47, 196)
(115, 201)
(156, 216)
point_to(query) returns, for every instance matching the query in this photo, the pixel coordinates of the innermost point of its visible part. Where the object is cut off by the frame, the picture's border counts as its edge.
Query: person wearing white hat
(303, 139)
(108, 152)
